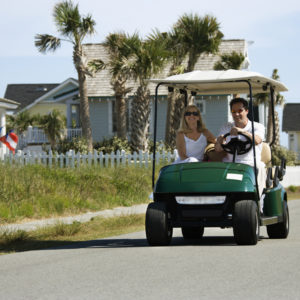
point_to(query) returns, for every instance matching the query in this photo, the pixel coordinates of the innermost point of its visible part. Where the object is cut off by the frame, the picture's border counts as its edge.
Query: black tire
(158, 226)
(245, 222)
(190, 233)
(280, 230)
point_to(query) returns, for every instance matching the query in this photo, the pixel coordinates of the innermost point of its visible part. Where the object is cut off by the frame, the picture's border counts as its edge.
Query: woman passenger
(192, 136)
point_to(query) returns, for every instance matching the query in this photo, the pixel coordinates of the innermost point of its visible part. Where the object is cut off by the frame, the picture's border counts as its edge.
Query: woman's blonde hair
(183, 127)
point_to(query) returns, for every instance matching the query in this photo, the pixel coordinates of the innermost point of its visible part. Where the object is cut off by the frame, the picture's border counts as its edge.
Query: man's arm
(236, 130)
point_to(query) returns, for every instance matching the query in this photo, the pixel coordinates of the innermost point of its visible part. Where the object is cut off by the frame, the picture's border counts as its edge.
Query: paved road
(125, 267)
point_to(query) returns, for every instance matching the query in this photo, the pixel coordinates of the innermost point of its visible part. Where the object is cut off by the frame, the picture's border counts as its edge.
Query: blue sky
(273, 26)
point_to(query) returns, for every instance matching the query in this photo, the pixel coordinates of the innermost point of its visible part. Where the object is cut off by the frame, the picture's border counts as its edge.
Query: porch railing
(37, 136)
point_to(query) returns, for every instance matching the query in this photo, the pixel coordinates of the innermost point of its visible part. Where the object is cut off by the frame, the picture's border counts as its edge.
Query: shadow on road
(142, 242)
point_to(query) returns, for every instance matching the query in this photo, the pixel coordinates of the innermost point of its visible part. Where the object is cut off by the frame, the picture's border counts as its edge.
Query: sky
(272, 28)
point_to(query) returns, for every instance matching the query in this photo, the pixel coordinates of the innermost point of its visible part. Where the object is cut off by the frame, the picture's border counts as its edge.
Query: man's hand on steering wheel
(236, 145)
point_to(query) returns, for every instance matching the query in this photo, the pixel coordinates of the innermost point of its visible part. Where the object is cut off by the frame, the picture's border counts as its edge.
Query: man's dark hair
(239, 100)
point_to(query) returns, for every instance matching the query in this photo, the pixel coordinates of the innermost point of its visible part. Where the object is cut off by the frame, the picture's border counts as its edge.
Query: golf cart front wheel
(245, 222)
(280, 230)
(189, 233)
(158, 226)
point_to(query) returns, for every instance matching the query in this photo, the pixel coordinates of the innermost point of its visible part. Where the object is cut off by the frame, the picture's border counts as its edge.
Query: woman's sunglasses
(189, 113)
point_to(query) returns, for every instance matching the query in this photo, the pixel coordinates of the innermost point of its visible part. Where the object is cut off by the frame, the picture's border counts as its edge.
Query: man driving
(241, 124)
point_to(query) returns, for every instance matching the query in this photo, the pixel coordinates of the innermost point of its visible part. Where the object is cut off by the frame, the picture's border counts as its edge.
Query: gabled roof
(31, 94)
(291, 117)
(99, 85)
(25, 94)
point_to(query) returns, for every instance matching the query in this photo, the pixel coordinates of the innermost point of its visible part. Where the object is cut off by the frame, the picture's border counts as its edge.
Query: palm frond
(46, 42)
(233, 60)
(67, 17)
(96, 65)
(87, 26)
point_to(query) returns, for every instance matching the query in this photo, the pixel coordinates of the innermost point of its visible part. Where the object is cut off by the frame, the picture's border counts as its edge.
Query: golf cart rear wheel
(280, 230)
(245, 222)
(192, 232)
(158, 226)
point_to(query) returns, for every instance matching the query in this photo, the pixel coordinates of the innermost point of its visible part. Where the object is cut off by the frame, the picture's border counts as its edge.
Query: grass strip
(36, 191)
(64, 234)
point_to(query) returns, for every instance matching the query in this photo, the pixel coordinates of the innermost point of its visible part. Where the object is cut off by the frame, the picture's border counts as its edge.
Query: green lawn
(37, 192)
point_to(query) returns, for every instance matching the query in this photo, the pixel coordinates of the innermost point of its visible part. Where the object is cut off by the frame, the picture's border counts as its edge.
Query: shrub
(160, 147)
(112, 145)
(279, 152)
(78, 144)
(292, 188)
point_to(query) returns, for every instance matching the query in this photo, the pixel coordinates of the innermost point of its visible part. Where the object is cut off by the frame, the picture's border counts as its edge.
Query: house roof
(100, 85)
(291, 117)
(25, 94)
(30, 94)
(58, 93)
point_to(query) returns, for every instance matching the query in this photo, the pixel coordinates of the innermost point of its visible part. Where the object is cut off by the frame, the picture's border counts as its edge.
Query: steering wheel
(237, 146)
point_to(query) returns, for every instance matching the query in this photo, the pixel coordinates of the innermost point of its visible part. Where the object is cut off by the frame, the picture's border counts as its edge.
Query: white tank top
(195, 148)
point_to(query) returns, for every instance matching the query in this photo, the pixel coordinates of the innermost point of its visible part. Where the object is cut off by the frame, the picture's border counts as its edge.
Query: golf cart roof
(221, 82)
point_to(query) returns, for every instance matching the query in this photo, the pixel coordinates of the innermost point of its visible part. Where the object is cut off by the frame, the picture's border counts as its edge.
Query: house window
(200, 103)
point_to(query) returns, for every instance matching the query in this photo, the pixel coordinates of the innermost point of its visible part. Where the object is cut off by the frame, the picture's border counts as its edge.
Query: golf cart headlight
(204, 200)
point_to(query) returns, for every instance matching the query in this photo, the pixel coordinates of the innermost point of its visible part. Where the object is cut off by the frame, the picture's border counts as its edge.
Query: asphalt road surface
(125, 267)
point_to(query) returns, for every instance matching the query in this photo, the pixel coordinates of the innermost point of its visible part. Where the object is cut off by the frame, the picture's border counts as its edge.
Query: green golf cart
(192, 196)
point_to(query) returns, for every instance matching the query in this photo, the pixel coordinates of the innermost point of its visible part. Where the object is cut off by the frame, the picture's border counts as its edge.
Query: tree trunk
(270, 124)
(140, 119)
(82, 71)
(118, 85)
(175, 118)
(121, 116)
(277, 130)
(85, 111)
(169, 118)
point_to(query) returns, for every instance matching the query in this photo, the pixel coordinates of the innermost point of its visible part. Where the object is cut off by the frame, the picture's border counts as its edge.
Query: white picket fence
(77, 160)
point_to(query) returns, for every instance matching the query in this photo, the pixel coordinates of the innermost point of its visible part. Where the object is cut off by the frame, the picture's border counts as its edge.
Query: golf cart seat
(211, 155)
(266, 154)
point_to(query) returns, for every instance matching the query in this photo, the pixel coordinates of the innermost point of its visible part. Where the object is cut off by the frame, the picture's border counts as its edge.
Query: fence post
(123, 154)
(101, 159)
(50, 158)
(78, 156)
(118, 156)
(62, 156)
(157, 158)
(135, 158)
(89, 158)
(95, 157)
(112, 159)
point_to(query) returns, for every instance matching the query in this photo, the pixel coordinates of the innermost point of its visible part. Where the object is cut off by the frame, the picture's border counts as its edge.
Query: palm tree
(176, 56)
(148, 59)
(265, 99)
(191, 36)
(233, 60)
(53, 124)
(21, 121)
(120, 47)
(74, 28)
(198, 36)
